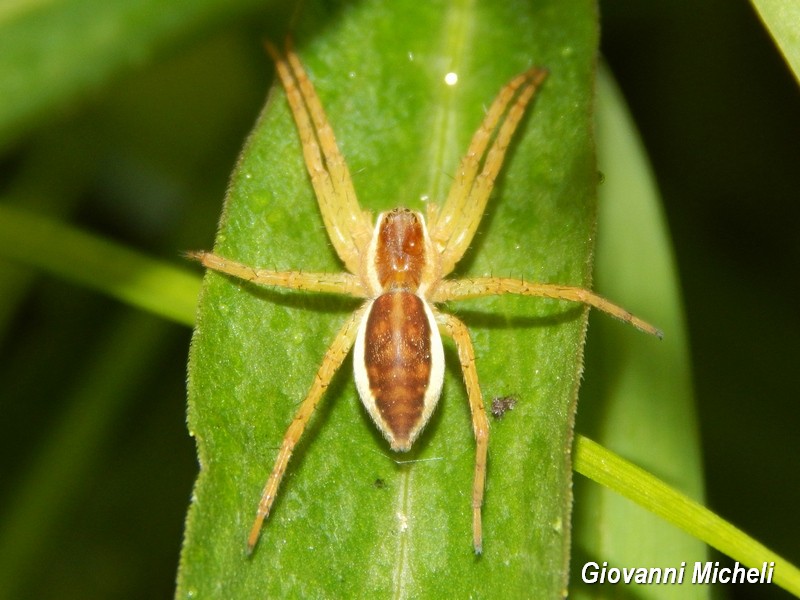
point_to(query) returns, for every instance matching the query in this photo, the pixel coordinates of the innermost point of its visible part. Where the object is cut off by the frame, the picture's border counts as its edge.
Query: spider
(398, 266)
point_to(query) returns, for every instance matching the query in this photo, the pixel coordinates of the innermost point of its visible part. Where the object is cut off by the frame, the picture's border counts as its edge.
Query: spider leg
(453, 228)
(495, 286)
(348, 226)
(334, 356)
(480, 424)
(335, 283)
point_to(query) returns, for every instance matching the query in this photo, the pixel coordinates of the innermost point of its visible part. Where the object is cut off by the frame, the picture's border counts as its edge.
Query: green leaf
(638, 396)
(781, 17)
(351, 519)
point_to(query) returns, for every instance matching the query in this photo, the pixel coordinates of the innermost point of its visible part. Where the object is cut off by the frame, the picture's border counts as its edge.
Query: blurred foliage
(144, 158)
(718, 111)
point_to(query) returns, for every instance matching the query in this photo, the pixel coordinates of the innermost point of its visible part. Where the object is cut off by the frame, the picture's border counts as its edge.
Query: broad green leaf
(638, 396)
(54, 52)
(352, 519)
(781, 17)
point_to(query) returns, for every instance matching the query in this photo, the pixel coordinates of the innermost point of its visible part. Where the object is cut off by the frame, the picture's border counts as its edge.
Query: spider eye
(411, 244)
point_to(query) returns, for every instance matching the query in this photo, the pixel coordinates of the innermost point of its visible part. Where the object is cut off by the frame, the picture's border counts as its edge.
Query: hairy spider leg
(443, 219)
(332, 283)
(334, 356)
(348, 226)
(341, 283)
(453, 228)
(480, 424)
(461, 289)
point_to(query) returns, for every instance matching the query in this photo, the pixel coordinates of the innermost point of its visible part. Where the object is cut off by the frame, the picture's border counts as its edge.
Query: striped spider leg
(398, 267)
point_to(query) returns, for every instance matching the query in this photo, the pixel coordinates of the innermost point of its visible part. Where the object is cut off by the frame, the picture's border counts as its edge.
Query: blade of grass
(97, 263)
(634, 483)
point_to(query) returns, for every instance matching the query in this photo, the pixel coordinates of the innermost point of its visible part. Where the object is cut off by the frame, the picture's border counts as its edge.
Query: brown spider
(398, 266)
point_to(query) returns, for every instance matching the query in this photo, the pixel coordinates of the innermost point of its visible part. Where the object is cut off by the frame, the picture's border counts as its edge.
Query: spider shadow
(320, 302)
(495, 320)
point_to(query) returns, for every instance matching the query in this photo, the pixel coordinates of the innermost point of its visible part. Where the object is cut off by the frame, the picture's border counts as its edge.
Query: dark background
(718, 111)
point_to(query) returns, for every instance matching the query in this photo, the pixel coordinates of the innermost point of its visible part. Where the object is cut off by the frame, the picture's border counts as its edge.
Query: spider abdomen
(399, 365)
